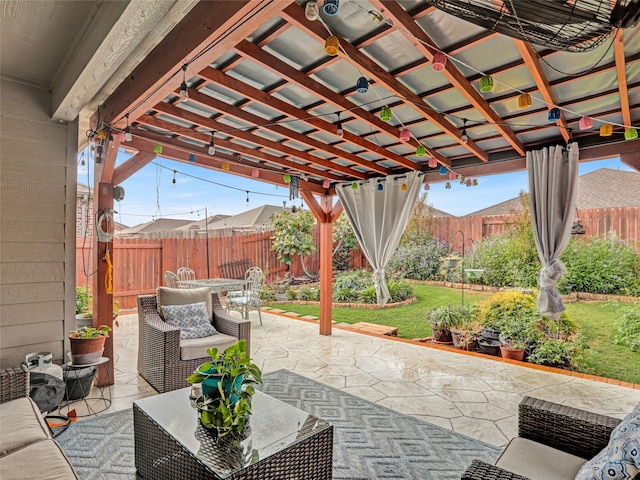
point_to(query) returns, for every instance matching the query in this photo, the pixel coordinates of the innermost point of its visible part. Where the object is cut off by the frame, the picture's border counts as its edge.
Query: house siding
(37, 231)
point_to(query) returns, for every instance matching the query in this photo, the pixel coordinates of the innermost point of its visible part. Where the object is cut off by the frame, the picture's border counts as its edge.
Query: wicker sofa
(27, 449)
(164, 360)
(553, 442)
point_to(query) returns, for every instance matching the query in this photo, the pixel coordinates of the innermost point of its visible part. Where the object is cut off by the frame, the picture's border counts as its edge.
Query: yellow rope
(108, 278)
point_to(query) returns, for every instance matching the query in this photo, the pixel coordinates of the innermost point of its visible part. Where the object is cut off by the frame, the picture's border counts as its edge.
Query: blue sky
(150, 192)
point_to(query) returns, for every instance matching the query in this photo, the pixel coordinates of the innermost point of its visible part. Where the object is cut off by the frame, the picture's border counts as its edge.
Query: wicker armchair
(159, 349)
(14, 383)
(563, 428)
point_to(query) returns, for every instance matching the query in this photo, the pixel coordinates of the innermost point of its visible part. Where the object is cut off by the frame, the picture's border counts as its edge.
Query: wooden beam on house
(351, 54)
(532, 62)
(325, 213)
(211, 28)
(419, 38)
(131, 166)
(632, 159)
(621, 72)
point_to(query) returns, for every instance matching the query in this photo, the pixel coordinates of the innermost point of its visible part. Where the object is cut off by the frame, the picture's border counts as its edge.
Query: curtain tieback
(550, 273)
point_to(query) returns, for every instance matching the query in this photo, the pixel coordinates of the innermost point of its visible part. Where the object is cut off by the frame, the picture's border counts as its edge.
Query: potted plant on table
(87, 344)
(227, 389)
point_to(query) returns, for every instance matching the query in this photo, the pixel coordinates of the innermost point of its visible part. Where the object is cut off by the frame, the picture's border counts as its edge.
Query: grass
(595, 320)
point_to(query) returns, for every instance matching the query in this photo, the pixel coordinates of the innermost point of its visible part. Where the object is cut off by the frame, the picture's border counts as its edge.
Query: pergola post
(103, 300)
(325, 213)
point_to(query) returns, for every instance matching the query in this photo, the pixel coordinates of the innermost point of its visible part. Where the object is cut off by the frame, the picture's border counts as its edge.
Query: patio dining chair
(171, 279)
(186, 274)
(250, 298)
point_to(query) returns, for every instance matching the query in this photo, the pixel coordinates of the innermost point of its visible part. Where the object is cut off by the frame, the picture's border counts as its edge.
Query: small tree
(344, 241)
(292, 236)
(420, 223)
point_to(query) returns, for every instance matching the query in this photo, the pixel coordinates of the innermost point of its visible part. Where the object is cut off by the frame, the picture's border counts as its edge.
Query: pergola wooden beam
(131, 166)
(532, 62)
(351, 54)
(282, 69)
(212, 125)
(419, 38)
(241, 88)
(618, 54)
(211, 26)
(259, 122)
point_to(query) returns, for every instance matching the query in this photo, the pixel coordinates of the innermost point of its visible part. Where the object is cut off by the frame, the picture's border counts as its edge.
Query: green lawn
(595, 320)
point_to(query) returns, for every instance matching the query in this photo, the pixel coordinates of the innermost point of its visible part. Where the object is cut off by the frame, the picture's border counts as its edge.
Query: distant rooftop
(603, 188)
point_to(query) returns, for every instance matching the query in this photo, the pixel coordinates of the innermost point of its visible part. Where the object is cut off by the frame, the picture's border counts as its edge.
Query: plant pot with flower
(442, 319)
(227, 383)
(87, 344)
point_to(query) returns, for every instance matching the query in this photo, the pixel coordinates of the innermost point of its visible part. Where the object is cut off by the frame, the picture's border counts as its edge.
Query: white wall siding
(37, 177)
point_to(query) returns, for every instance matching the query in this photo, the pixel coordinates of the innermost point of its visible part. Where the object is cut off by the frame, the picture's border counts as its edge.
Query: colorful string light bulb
(385, 114)
(439, 62)
(421, 151)
(554, 114)
(311, 10)
(362, 85)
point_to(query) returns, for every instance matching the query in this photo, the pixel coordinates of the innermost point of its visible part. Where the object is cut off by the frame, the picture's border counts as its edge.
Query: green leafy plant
(292, 235)
(554, 352)
(308, 293)
(419, 261)
(90, 332)
(628, 327)
(344, 241)
(227, 409)
(443, 318)
(83, 299)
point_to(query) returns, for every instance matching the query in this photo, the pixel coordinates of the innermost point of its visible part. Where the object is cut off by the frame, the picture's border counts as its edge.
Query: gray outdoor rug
(370, 441)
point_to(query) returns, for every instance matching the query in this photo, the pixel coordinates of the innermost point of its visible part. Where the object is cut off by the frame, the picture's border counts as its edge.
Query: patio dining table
(216, 285)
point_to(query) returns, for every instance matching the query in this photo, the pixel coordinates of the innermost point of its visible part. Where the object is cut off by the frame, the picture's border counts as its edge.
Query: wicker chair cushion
(537, 461)
(183, 296)
(192, 319)
(620, 459)
(197, 347)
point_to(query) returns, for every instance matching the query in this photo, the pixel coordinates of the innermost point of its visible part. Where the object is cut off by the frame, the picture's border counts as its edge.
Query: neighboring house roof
(438, 213)
(603, 188)
(257, 219)
(82, 190)
(200, 224)
(155, 226)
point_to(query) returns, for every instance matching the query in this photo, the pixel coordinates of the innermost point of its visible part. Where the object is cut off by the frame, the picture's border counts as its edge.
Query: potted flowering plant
(227, 389)
(87, 343)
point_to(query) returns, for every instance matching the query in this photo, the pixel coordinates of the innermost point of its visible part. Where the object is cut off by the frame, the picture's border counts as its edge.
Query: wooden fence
(140, 263)
(624, 221)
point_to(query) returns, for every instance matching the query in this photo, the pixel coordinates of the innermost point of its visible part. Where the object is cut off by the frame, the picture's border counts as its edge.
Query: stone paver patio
(470, 395)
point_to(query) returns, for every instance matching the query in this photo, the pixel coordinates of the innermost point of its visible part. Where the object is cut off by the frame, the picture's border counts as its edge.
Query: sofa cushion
(20, 425)
(192, 319)
(43, 459)
(183, 296)
(620, 459)
(537, 461)
(197, 347)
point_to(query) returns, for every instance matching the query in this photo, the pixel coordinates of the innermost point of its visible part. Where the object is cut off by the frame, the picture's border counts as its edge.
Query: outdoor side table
(75, 382)
(285, 442)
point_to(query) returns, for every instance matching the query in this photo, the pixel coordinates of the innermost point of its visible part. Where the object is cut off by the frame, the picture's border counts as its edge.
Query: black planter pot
(490, 347)
(490, 334)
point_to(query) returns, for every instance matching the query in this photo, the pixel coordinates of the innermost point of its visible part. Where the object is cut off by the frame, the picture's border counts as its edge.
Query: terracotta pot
(86, 350)
(512, 353)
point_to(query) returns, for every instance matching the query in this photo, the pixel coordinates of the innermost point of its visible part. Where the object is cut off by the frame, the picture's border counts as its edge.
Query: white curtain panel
(553, 185)
(379, 217)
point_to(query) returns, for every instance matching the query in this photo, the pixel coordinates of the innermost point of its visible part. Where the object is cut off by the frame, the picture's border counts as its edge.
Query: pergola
(277, 99)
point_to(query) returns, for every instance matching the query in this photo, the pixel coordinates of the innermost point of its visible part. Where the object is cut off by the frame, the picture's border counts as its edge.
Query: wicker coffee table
(284, 443)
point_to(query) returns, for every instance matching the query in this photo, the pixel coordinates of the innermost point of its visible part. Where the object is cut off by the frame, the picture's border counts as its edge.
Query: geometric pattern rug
(370, 441)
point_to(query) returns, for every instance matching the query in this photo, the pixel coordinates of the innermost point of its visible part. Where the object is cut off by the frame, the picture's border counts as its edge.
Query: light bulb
(339, 130)
(184, 92)
(311, 10)
(326, 184)
(127, 134)
(212, 146)
(464, 137)
(376, 17)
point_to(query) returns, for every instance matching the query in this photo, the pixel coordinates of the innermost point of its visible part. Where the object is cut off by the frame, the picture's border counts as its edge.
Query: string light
(405, 135)
(443, 170)
(524, 100)
(174, 178)
(157, 148)
(486, 84)
(439, 61)
(326, 183)
(385, 114)
(376, 17)
(184, 91)
(127, 130)
(433, 162)
(452, 175)
(362, 85)
(247, 197)
(212, 145)
(255, 173)
(332, 45)
(403, 187)
(585, 123)
(225, 166)
(606, 130)
(554, 114)
(192, 158)
(447, 185)
(380, 187)
(331, 7)
(464, 138)
(421, 151)
(339, 130)
(287, 178)
(630, 134)
(311, 10)
(354, 185)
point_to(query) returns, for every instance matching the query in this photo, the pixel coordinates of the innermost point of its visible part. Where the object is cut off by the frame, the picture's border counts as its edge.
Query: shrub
(418, 261)
(601, 264)
(628, 326)
(368, 294)
(311, 294)
(501, 307)
(553, 353)
(399, 290)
